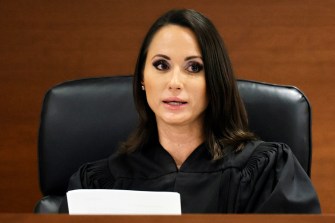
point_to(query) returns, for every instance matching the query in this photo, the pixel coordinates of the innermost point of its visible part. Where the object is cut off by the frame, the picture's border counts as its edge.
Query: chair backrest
(85, 120)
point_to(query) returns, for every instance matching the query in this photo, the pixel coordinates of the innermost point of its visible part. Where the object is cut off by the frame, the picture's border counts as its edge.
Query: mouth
(175, 103)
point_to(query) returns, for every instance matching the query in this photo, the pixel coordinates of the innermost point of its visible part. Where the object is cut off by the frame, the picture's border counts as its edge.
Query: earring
(143, 88)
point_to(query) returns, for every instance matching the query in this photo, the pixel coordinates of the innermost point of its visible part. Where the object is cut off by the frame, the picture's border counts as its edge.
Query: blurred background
(44, 42)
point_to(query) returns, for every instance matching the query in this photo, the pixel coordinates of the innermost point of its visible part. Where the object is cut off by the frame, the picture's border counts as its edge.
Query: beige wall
(47, 42)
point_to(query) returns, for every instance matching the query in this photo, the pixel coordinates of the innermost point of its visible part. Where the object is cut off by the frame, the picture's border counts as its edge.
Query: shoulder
(260, 160)
(268, 180)
(257, 155)
(92, 175)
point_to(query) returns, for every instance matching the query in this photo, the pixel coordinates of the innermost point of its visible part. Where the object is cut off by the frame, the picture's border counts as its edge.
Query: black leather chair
(84, 120)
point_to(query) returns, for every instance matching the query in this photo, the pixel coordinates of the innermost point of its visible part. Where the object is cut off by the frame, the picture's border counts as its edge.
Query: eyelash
(199, 67)
(159, 63)
(163, 65)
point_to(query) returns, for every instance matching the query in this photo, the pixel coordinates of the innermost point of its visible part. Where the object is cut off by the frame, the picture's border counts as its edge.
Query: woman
(193, 136)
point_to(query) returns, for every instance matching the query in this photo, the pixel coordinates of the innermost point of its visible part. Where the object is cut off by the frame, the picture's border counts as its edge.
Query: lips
(174, 101)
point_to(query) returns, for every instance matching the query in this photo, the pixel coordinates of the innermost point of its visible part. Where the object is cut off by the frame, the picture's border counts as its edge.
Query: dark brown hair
(226, 121)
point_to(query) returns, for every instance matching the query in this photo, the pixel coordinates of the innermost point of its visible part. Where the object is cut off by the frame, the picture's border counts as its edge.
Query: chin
(175, 121)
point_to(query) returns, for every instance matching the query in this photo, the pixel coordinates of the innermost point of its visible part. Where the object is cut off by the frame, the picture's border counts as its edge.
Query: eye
(194, 67)
(161, 65)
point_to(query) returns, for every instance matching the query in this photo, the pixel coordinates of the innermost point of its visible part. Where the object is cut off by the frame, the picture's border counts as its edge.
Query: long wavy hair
(226, 123)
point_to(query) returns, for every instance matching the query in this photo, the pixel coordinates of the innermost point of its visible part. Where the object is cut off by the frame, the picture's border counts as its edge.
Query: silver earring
(143, 88)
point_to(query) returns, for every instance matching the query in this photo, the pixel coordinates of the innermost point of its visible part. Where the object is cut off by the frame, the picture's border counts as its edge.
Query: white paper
(99, 201)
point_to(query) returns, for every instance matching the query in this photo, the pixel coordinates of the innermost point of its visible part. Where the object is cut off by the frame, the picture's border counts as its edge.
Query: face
(174, 77)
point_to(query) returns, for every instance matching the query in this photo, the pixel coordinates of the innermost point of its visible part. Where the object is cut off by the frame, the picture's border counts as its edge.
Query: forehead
(174, 39)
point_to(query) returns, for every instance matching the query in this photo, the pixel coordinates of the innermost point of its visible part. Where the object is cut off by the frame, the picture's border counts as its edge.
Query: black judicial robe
(262, 178)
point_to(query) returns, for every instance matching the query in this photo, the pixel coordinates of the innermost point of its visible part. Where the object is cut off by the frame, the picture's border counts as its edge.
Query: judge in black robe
(184, 73)
(262, 178)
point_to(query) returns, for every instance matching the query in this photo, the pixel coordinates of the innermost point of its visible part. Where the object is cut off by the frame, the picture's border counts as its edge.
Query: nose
(175, 82)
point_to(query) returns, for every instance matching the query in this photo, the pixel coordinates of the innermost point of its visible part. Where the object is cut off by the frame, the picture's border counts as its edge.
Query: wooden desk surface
(192, 218)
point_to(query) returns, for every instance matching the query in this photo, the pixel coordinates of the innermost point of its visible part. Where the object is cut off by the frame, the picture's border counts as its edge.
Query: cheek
(150, 86)
(201, 93)
(202, 100)
(152, 92)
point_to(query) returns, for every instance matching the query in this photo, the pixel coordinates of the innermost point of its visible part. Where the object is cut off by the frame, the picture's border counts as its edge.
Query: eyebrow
(186, 59)
(162, 55)
(193, 57)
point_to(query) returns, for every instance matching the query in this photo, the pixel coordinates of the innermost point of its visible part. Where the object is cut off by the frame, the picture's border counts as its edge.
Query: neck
(180, 141)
